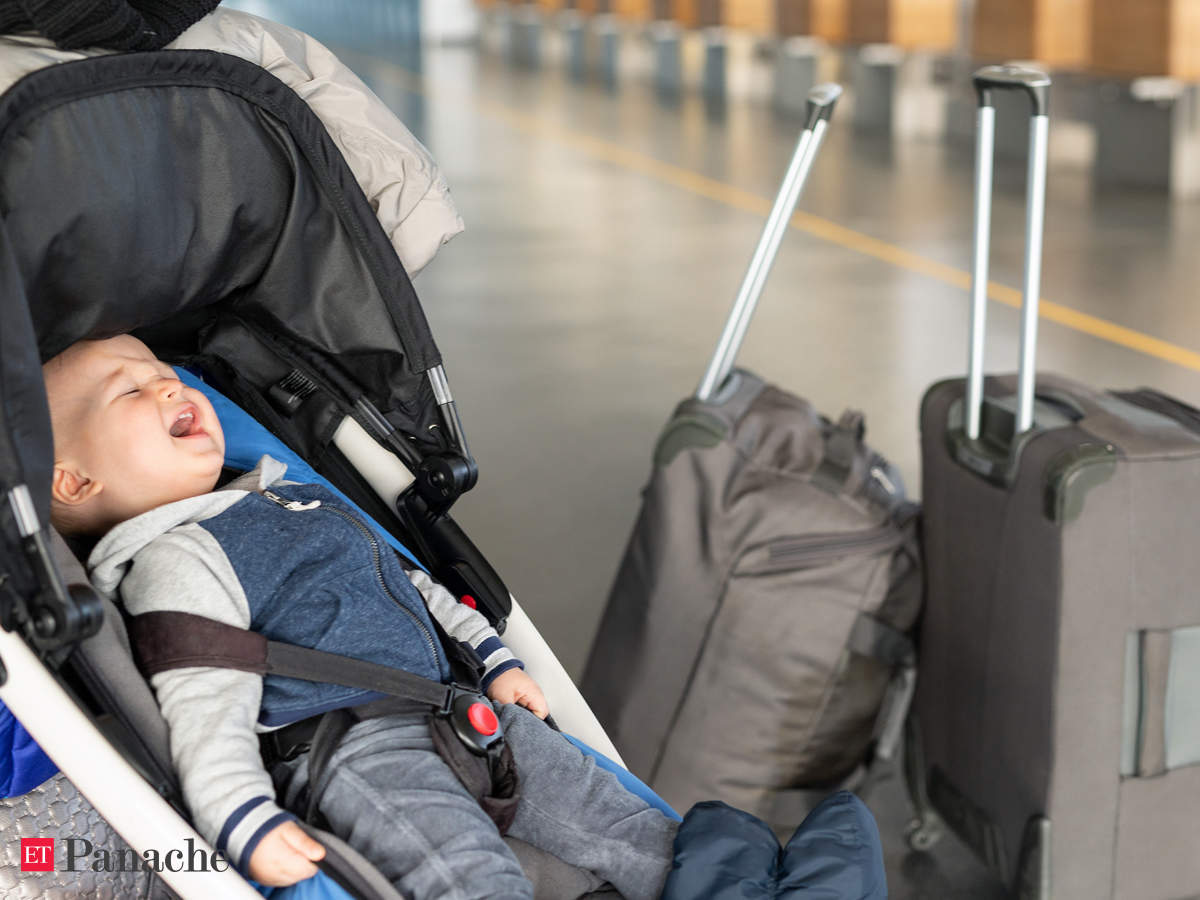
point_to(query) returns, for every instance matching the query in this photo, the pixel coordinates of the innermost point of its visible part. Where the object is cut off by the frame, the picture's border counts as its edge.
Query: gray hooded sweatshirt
(297, 564)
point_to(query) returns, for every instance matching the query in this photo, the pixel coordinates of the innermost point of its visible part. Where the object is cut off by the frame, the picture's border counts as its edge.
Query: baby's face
(124, 422)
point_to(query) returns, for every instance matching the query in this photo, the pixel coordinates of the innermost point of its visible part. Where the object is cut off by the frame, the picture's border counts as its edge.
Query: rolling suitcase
(1056, 725)
(759, 619)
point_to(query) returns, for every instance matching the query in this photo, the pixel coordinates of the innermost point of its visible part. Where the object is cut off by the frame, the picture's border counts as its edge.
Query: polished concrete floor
(607, 232)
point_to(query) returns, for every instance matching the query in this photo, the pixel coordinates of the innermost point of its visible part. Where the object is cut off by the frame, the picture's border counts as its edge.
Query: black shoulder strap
(167, 640)
(466, 668)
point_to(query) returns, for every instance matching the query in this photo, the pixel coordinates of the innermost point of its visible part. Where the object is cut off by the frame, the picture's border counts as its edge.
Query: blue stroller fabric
(628, 780)
(23, 764)
(319, 887)
(722, 853)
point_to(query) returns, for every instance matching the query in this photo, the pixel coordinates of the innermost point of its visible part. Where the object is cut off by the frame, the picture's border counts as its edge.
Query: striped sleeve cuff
(496, 659)
(490, 675)
(247, 826)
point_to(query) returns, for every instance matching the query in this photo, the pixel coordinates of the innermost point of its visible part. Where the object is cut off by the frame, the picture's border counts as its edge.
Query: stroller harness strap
(466, 732)
(170, 639)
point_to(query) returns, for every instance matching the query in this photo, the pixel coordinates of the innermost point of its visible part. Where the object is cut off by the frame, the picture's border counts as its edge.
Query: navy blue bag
(722, 853)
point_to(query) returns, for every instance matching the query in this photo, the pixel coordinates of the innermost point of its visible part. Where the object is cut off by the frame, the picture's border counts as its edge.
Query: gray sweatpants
(391, 797)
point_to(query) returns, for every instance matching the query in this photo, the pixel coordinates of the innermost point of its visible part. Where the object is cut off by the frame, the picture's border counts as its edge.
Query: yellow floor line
(729, 195)
(840, 235)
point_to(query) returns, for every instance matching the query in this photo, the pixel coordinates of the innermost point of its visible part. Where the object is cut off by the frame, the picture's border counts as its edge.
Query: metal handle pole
(984, 147)
(820, 103)
(1035, 209)
(1037, 86)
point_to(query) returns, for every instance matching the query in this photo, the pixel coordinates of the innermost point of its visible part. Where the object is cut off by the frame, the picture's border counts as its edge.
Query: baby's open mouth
(185, 425)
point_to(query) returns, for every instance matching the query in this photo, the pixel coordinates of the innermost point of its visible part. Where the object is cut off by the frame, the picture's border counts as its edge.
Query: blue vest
(315, 574)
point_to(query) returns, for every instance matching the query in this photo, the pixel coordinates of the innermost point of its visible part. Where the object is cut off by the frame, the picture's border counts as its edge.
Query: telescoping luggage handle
(1037, 86)
(821, 101)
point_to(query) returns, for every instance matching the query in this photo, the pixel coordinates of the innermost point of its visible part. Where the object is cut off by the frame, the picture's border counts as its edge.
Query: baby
(137, 459)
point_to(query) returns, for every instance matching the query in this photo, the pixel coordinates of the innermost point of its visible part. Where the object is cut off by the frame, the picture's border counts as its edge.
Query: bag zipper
(300, 506)
(821, 546)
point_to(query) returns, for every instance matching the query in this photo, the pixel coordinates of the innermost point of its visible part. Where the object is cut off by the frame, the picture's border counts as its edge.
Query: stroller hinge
(55, 615)
(444, 477)
(58, 615)
(451, 556)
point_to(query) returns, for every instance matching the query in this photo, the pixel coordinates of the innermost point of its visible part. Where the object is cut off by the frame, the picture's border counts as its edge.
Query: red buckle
(482, 719)
(474, 721)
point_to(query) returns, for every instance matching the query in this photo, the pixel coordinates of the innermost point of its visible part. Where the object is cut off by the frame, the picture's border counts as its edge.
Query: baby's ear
(72, 488)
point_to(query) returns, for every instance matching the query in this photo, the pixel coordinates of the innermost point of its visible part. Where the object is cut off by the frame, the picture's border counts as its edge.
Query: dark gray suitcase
(758, 623)
(1056, 726)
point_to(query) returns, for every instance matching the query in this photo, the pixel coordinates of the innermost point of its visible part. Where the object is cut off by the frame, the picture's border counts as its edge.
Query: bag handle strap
(843, 441)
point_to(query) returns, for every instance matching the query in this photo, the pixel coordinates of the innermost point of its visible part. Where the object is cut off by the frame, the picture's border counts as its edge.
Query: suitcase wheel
(924, 832)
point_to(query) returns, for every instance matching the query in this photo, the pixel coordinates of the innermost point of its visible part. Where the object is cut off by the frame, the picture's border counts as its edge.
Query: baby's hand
(284, 856)
(514, 686)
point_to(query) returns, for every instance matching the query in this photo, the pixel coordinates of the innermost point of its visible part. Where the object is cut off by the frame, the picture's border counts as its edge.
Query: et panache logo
(38, 855)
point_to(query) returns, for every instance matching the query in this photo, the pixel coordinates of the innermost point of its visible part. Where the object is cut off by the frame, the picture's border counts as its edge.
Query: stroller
(193, 199)
(209, 213)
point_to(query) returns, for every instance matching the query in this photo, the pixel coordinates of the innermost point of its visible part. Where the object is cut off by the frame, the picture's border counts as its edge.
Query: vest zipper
(299, 506)
(291, 505)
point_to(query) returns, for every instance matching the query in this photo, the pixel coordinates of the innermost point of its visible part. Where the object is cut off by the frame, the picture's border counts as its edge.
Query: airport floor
(608, 229)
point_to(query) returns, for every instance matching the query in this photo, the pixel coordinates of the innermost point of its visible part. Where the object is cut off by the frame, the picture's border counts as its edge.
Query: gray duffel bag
(755, 648)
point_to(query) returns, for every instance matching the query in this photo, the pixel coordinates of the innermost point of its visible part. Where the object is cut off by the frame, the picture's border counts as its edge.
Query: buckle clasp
(474, 721)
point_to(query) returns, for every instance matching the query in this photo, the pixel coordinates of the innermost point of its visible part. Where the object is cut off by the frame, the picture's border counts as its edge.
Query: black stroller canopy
(193, 199)
(26, 450)
(177, 194)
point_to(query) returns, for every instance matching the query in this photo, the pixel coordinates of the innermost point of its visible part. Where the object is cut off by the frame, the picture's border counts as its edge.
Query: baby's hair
(67, 520)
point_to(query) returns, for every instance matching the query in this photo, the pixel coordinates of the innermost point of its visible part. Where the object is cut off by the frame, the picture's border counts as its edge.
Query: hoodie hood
(109, 560)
